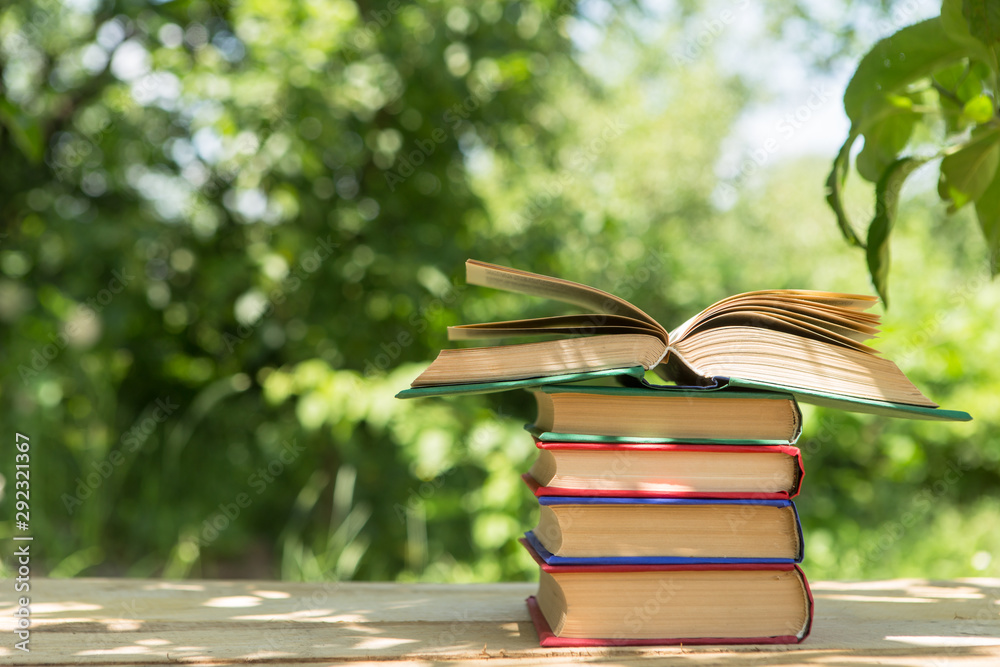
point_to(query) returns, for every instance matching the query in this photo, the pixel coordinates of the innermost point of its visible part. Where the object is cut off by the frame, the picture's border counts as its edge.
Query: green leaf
(24, 130)
(988, 212)
(971, 86)
(948, 83)
(983, 19)
(914, 52)
(883, 142)
(949, 77)
(873, 95)
(968, 171)
(886, 204)
(956, 26)
(979, 108)
(834, 187)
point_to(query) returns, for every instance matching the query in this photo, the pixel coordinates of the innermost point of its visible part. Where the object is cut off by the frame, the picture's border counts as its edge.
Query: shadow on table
(902, 622)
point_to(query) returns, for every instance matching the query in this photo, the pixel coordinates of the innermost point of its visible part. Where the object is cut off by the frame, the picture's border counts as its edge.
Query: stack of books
(666, 517)
(665, 508)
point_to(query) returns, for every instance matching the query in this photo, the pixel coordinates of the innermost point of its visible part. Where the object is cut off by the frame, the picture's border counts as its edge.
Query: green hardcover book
(807, 343)
(635, 372)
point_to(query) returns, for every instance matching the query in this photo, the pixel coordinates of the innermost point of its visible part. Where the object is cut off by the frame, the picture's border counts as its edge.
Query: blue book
(665, 531)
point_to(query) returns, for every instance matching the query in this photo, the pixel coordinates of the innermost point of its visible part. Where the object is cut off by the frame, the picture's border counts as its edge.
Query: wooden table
(133, 621)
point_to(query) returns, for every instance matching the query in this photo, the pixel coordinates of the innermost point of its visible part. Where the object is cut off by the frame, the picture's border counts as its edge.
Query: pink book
(663, 488)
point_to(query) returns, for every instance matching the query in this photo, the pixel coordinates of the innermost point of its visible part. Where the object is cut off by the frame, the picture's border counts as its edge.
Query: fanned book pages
(811, 344)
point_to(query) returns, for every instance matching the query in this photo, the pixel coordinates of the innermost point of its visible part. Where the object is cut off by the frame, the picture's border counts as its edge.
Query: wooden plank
(129, 621)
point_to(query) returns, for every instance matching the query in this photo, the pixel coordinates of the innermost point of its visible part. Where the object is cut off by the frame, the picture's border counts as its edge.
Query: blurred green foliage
(233, 231)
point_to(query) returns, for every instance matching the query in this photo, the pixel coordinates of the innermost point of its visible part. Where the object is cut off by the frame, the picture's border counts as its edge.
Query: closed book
(583, 413)
(622, 605)
(588, 531)
(650, 470)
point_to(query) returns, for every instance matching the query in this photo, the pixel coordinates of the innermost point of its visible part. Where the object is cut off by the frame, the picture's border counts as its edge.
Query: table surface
(140, 621)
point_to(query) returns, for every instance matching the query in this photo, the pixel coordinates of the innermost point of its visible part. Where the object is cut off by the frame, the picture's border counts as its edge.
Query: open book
(808, 343)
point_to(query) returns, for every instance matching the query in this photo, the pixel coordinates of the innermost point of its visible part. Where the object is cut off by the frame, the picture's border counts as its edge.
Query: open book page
(534, 284)
(810, 319)
(601, 323)
(854, 302)
(795, 361)
(780, 321)
(553, 357)
(841, 311)
(846, 317)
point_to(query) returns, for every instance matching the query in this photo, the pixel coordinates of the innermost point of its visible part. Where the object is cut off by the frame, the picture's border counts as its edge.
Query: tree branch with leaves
(942, 73)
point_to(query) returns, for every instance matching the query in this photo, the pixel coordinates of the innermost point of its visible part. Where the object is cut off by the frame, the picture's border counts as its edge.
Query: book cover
(635, 377)
(581, 438)
(552, 559)
(667, 392)
(634, 372)
(851, 404)
(539, 490)
(548, 639)
(812, 397)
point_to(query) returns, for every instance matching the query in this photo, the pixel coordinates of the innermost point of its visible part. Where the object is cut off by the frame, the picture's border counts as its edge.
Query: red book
(648, 605)
(666, 470)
